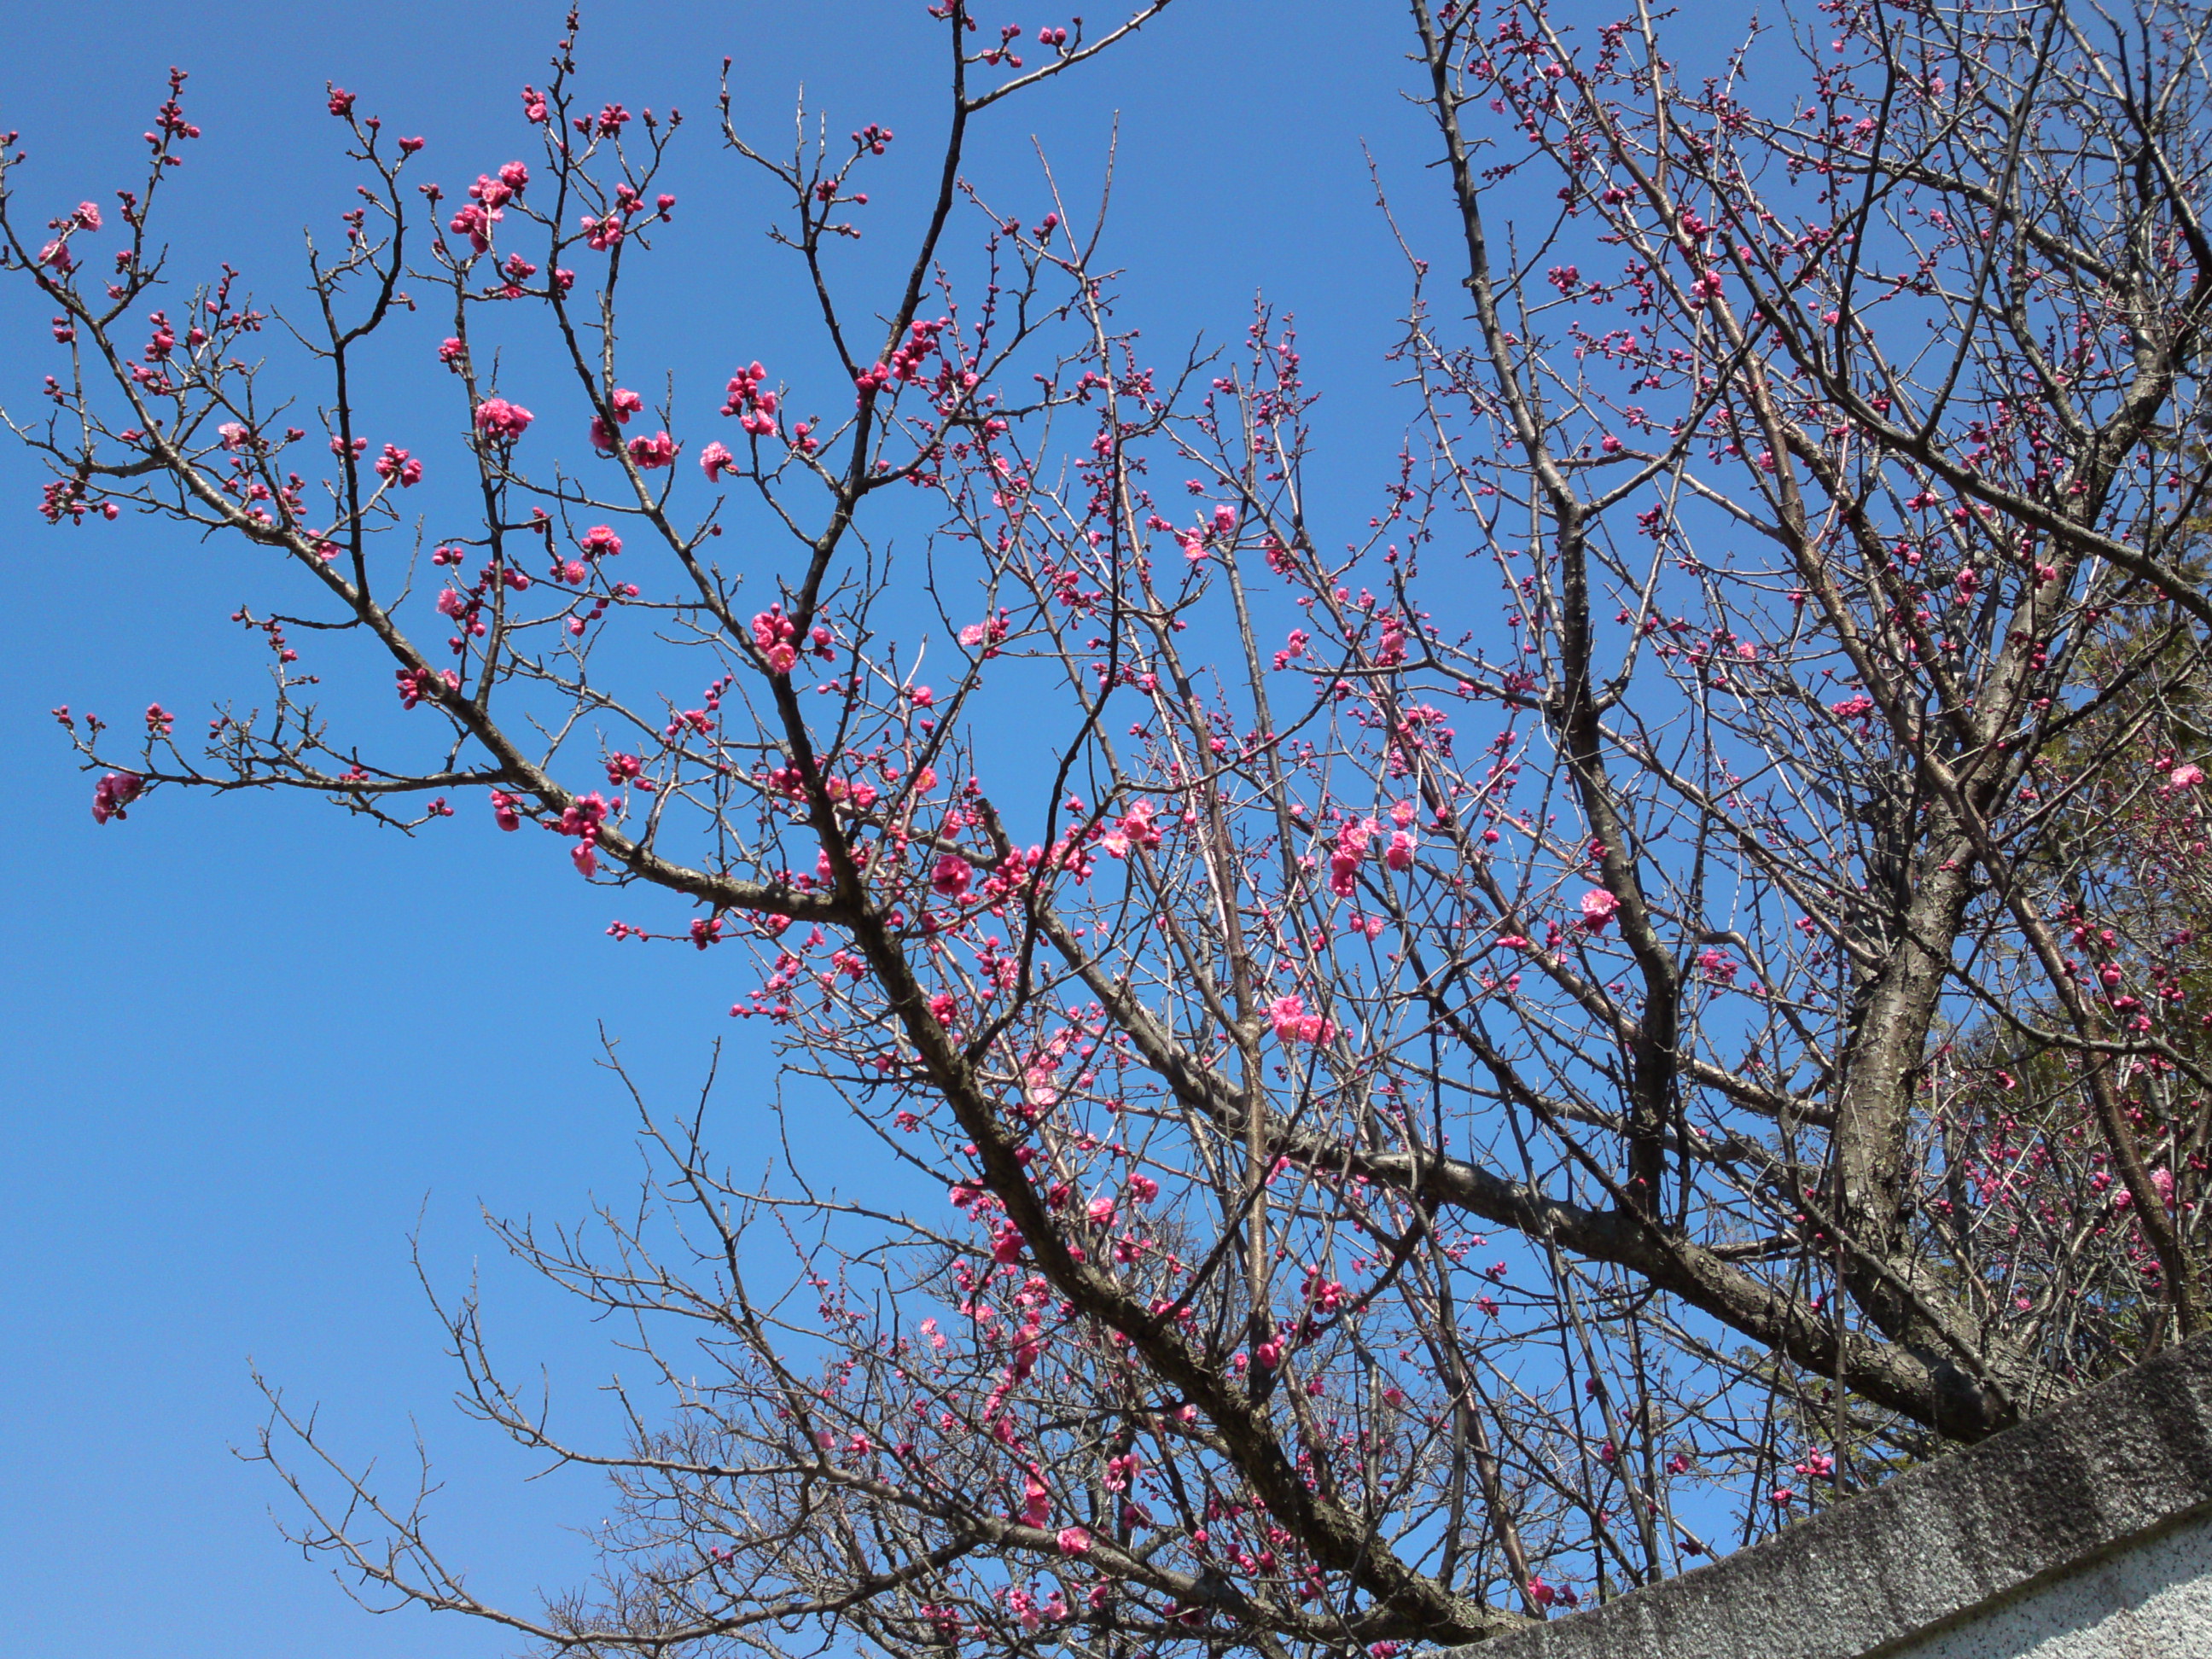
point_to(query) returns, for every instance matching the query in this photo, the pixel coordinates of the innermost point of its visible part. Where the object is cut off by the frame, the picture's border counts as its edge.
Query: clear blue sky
(250, 1040)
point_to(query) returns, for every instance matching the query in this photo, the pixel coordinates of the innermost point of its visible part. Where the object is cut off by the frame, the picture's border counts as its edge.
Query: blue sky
(253, 1040)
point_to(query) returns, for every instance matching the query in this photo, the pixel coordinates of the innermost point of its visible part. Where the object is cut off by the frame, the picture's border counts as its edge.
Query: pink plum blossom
(1036, 1500)
(657, 451)
(500, 421)
(113, 792)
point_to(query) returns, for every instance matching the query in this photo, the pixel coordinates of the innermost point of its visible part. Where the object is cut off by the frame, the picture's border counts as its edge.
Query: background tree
(1443, 1113)
(2122, 867)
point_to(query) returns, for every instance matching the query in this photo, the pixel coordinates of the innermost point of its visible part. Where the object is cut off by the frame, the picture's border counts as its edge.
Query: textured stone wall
(2084, 1535)
(2151, 1599)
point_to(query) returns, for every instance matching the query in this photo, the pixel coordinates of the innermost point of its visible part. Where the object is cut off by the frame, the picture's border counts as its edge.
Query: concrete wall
(2153, 1600)
(2084, 1535)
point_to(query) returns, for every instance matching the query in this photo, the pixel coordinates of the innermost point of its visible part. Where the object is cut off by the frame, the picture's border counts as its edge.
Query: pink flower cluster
(1292, 1024)
(603, 234)
(1221, 528)
(990, 633)
(1136, 829)
(751, 402)
(2162, 1180)
(56, 255)
(1399, 856)
(65, 498)
(1036, 1499)
(113, 792)
(395, 464)
(774, 634)
(625, 403)
(1033, 1615)
(583, 819)
(418, 686)
(486, 197)
(906, 362)
(657, 451)
(628, 769)
(502, 422)
(1345, 859)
